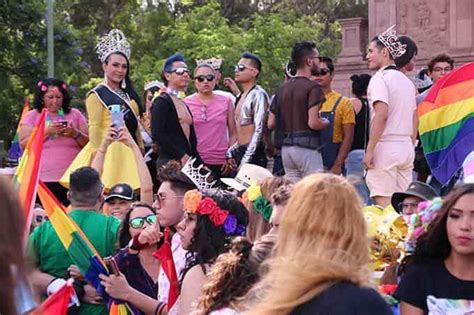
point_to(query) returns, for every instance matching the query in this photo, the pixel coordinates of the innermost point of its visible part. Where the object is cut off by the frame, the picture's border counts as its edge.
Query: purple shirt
(58, 151)
(210, 125)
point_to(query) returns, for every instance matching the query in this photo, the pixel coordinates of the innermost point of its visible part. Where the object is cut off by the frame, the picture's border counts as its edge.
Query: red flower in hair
(218, 216)
(207, 206)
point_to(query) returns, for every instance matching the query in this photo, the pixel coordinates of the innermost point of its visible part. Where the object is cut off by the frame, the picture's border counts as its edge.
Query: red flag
(165, 256)
(57, 303)
(27, 174)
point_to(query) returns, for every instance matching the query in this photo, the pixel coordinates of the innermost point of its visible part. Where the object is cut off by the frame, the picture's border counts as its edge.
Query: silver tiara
(390, 40)
(152, 84)
(215, 63)
(198, 175)
(114, 41)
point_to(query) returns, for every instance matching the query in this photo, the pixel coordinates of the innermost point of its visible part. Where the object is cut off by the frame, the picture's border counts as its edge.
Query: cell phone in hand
(112, 266)
(62, 123)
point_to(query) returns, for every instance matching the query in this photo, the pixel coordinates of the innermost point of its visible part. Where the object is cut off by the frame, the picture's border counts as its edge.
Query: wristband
(55, 285)
(160, 308)
(135, 244)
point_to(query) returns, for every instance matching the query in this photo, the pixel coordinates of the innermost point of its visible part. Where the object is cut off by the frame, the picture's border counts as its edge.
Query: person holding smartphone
(65, 135)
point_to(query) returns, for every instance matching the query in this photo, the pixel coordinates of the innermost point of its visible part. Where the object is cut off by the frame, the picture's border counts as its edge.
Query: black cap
(121, 191)
(415, 189)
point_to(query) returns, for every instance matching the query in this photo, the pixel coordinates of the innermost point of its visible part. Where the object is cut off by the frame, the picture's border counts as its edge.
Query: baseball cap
(121, 191)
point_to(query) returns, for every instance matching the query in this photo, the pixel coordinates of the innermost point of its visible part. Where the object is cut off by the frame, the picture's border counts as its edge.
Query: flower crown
(390, 40)
(44, 87)
(195, 203)
(259, 202)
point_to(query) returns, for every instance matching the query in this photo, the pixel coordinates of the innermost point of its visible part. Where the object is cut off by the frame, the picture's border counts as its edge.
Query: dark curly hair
(40, 91)
(234, 273)
(434, 244)
(124, 236)
(209, 241)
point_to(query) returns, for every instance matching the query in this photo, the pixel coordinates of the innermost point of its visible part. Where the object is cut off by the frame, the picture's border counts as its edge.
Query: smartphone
(112, 265)
(62, 123)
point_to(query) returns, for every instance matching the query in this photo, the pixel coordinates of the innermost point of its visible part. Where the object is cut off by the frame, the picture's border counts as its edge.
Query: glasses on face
(440, 69)
(322, 71)
(241, 67)
(160, 197)
(138, 222)
(40, 218)
(406, 205)
(208, 78)
(180, 71)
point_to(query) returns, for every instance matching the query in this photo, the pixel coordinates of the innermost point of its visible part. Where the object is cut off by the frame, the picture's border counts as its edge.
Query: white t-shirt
(399, 93)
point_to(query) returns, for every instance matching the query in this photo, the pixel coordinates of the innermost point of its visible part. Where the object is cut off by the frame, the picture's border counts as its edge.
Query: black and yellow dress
(119, 163)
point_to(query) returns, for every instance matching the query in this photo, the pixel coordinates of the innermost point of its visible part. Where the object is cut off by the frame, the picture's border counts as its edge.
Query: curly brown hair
(234, 273)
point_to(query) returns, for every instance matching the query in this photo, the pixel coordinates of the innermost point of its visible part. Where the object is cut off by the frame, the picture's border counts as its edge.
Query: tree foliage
(198, 29)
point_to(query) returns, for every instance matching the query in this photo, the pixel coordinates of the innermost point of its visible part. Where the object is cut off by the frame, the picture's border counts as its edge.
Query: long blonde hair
(322, 240)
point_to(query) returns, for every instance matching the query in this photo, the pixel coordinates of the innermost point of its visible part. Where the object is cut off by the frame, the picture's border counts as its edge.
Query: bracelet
(160, 308)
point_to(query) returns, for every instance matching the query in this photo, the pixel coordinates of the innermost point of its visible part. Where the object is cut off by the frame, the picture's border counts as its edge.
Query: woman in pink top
(65, 133)
(213, 121)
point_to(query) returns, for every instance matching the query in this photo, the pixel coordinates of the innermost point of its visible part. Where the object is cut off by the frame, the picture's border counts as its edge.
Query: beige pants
(393, 166)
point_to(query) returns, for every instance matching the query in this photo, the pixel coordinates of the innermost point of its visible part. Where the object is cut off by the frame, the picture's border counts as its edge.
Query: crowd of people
(191, 174)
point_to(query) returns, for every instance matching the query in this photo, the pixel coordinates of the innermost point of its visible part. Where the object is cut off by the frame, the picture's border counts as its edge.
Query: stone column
(354, 40)
(351, 60)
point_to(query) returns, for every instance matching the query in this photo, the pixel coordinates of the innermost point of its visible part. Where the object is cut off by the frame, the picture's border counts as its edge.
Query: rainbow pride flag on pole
(27, 174)
(446, 122)
(76, 243)
(14, 153)
(80, 249)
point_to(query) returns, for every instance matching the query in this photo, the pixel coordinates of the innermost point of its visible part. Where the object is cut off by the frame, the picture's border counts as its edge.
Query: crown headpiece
(215, 63)
(114, 41)
(198, 175)
(152, 84)
(390, 40)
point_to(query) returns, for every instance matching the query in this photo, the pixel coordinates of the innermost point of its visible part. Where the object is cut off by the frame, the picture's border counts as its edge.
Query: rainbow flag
(80, 249)
(14, 153)
(27, 174)
(76, 243)
(446, 122)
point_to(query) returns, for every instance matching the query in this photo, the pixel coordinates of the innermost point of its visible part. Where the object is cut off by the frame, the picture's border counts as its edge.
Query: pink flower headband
(44, 87)
(195, 203)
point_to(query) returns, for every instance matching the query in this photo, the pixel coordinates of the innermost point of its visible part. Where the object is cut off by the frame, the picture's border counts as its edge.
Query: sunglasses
(159, 197)
(138, 222)
(180, 70)
(241, 67)
(40, 218)
(322, 71)
(208, 78)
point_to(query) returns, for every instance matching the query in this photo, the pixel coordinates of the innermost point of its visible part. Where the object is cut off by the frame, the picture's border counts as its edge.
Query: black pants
(258, 158)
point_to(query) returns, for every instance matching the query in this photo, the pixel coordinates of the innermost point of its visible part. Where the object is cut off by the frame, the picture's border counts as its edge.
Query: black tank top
(361, 128)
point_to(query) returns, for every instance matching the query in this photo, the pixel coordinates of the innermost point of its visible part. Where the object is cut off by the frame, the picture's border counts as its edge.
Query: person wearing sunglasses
(172, 122)
(137, 265)
(168, 206)
(250, 114)
(337, 138)
(213, 116)
(294, 115)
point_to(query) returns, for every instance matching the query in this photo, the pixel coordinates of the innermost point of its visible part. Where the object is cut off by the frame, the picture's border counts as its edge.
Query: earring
(105, 79)
(124, 84)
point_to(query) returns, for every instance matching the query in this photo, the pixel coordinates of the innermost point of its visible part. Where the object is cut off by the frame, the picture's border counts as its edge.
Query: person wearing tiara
(113, 51)
(390, 151)
(171, 120)
(216, 64)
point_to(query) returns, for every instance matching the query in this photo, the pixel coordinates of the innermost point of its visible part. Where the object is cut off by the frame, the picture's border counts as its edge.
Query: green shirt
(45, 248)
